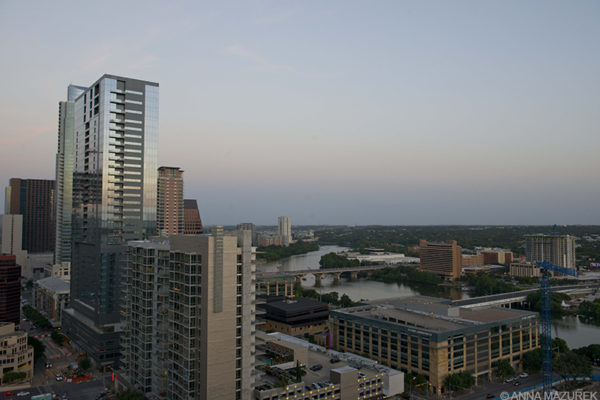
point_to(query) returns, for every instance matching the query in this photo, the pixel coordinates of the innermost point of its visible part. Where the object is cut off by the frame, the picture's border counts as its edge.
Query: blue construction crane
(545, 268)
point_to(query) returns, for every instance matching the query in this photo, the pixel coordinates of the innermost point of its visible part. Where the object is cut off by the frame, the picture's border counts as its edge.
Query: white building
(285, 229)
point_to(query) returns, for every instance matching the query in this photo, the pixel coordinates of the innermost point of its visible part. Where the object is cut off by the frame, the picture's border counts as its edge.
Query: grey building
(65, 158)
(558, 249)
(190, 317)
(114, 200)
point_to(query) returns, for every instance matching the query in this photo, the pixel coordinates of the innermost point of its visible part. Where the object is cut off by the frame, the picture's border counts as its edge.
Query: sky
(332, 112)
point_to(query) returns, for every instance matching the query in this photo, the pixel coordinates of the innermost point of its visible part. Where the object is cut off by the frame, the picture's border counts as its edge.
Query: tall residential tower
(114, 201)
(169, 217)
(190, 317)
(65, 160)
(558, 249)
(285, 229)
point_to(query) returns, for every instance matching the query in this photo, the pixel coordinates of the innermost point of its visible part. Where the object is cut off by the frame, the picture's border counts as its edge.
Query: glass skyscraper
(115, 131)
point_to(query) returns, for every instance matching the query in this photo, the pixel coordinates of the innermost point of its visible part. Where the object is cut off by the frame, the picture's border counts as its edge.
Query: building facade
(558, 249)
(295, 316)
(114, 201)
(169, 211)
(197, 294)
(34, 200)
(192, 224)
(433, 338)
(16, 356)
(285, 229)
(10, 290)
(11, 227)
(65, 162)
(51, 297)
(525, 270)
(444, 259)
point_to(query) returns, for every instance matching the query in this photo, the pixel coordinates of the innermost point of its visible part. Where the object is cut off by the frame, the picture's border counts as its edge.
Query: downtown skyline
(337, 113)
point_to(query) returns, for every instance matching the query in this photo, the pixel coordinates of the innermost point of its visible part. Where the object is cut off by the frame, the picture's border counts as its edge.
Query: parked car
(59, 378)
(316, 367)
(524, 375)
(8, 394)
(334, 360)
(489, 396)
(23, 394)
(509, 380)
(517, 383)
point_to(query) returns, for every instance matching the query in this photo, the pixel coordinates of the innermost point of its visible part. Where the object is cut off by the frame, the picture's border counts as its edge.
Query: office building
(192, 224)
(51, 297)
(10, 290)
(169, 210)
(65, 162)
(16, 356)
(11, 241)
(34, 200)
(525, 270)
(114, 201)
(558, 249)
(444, 259)
(434, 338)
(329, 374)
(295, 316)
(190, 316)
(285, 229)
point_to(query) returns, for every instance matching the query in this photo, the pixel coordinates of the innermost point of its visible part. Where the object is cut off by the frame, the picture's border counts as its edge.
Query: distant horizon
(394, 113)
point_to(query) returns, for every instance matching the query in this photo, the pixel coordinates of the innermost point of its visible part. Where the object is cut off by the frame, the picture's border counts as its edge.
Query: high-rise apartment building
(558, 249)
(444, 259)
(65, 162)
(34, 200)
(192, 224)
(10, 290)
(12, 234)
(190, 316)
(115, 123)
(15, 355)
(285, 229)
(169, 211)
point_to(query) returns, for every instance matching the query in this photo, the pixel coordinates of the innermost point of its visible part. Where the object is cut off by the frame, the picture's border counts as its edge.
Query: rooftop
(433, 315)
(54, 284)
(295, 304)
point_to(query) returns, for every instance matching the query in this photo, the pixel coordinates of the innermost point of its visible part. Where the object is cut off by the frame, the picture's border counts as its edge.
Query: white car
(23, 394)
(59, 378)
(524, 375)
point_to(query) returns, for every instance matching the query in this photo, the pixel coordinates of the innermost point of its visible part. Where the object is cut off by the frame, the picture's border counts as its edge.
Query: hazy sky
(383, 112)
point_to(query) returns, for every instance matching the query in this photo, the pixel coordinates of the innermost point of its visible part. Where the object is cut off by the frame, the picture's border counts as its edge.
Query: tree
(85, 364)
(346, 301)
(504, 369)
(532, 360)
(559, 345)
(57, 337)
(570, 364)
(130, 395)
(592, 352)
(13, 376)
(38, 347)
(460, 381)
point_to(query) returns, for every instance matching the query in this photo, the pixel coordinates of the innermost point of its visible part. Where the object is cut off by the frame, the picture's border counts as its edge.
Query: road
(87, 390)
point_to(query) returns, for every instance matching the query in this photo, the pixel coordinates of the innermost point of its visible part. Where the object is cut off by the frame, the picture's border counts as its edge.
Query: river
(571, 329)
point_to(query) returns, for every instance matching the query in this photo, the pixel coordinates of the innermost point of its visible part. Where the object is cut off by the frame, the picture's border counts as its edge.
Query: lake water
(571, 329)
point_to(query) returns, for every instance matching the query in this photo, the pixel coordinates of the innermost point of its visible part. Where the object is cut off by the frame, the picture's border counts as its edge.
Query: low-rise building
(327, 374)
(525, 270)
(60, 270)
(50, 297)
(296, 316)
(16, 356)
(265, 240)
(434, 338)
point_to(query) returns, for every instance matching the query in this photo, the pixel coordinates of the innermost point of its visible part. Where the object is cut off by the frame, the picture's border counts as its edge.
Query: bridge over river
(318, 273)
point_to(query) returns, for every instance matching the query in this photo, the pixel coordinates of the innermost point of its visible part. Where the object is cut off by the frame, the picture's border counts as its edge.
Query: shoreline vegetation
(274, 253)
